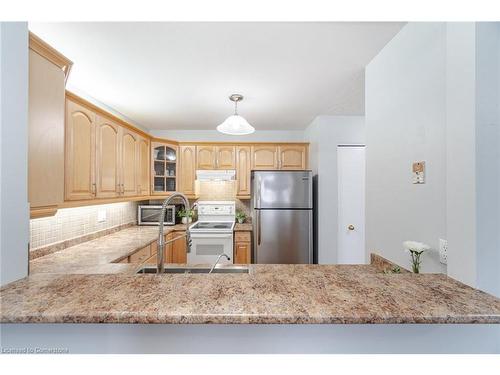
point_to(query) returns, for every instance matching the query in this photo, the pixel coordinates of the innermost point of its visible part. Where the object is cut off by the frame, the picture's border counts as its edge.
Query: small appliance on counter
(212, 234)
(150, 214)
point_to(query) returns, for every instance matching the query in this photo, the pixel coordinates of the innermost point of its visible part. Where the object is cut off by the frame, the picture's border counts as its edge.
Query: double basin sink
(196, 270)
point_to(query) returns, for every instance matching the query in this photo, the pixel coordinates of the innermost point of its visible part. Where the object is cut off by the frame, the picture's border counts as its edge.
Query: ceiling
(171, 75)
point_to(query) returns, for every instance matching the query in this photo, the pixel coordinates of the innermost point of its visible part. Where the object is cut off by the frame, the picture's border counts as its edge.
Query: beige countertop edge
(120, 318)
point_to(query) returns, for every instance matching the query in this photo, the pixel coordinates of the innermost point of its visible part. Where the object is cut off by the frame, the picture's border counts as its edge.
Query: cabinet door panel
(205, 157)
(242, 253)
(143, 166)
(80, 152)
(187, 169)
(264, 157)
(225, 157)
(46, 133)
(179, 254)
(243, 170)
(107, 159)
(293, 157)
(129, 163)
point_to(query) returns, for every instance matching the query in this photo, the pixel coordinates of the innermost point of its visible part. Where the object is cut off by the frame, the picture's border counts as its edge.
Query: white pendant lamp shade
(235, 124)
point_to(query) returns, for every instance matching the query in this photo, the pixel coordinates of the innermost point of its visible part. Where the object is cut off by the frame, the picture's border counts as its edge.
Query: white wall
(432, 94)
(460, 146)
(14, 211)
(324, 134)
(215, 136)
(405, 122)
(473, 154)
(487, 73)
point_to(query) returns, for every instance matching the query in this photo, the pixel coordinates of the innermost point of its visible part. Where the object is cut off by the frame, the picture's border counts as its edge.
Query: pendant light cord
(236, 107)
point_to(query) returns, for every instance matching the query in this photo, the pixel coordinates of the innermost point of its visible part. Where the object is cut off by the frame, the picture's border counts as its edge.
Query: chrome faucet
(160, 267)
(217, 261)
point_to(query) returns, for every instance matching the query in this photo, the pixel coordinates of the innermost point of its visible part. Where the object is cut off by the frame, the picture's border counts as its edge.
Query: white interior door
(351, 205)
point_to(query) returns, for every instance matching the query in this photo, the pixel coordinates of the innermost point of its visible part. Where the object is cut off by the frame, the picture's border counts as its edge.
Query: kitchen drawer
(242, 236)
(140, 255)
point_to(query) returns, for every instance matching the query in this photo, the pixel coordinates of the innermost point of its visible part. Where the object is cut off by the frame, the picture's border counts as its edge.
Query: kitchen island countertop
(288, 294)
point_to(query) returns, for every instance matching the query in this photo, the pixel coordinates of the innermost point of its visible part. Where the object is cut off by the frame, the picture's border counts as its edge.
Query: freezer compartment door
(283, 237)
(280, 189)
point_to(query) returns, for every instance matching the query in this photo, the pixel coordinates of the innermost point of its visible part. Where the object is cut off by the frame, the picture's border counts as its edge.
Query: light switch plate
(418, 172)
(101, 216)
(443, 251)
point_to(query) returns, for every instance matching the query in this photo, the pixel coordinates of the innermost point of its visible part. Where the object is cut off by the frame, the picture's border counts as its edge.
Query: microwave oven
(150, 215)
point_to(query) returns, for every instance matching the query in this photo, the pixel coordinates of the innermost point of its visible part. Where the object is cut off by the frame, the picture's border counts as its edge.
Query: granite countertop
(96, 256)
(82, 285)
(305, 294)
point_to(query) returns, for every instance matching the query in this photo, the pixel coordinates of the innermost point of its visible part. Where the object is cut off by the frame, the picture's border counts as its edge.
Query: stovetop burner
(212, 225)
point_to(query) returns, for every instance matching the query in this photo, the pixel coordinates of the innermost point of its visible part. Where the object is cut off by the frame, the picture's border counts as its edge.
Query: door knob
(350, 227)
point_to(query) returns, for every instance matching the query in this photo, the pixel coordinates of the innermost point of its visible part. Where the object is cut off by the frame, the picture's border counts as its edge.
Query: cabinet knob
(350, 227)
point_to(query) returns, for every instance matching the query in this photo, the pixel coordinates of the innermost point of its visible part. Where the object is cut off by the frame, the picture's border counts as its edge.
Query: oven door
(206, 248)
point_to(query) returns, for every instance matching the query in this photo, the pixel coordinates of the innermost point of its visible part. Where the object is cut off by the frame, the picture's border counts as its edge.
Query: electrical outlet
(443, 251)
(101, 216)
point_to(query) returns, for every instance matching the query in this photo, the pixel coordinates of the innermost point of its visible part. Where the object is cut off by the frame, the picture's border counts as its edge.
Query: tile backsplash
(69, 223)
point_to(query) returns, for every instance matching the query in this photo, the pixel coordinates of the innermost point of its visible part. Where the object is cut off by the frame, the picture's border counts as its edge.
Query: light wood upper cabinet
(292, 157)
(45, 133)
(143, 166)
(215, 157)
(187, 154)
(164, 168)
(107, 159)
(264, 157)
(243, 156)
(129, 163)
(225, 157)
(205, 157)
(80, 152)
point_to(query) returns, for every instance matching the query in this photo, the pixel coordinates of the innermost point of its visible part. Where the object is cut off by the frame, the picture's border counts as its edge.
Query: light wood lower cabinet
(175, 252)
(242, 248)
(178, 248)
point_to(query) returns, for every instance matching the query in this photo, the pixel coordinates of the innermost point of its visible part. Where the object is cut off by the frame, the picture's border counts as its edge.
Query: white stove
(212, 234)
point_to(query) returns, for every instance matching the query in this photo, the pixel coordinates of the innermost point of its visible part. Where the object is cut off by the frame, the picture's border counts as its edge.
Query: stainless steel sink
(232, 269)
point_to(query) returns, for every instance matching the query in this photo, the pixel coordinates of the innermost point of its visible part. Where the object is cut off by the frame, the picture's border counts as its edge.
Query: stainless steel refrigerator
(282, 217)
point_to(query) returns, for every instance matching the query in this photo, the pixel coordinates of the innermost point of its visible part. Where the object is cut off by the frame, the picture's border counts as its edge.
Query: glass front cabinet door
(164, 164)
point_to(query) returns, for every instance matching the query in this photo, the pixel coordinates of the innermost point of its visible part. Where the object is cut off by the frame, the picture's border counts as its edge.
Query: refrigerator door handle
(258, 192)
(258, 227)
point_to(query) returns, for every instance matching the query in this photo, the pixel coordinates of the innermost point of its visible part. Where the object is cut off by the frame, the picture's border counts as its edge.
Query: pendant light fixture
(235, 124)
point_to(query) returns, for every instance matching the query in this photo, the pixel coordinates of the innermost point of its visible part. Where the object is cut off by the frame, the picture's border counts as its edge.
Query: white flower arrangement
(416, 249)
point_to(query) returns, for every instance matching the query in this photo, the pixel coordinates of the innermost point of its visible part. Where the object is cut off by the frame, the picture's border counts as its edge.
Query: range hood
(215, 175)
